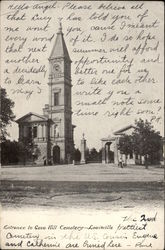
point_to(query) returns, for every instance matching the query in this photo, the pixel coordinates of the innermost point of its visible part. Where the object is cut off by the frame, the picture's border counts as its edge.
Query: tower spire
(59, 49)
(60, 25)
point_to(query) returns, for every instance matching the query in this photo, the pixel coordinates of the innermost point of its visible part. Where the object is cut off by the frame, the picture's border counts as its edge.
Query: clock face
(57, 68)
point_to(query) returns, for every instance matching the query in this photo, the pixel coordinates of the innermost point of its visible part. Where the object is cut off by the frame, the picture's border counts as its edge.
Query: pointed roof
(31, 117)
(121, 131)
(118, 132)
(59, 48)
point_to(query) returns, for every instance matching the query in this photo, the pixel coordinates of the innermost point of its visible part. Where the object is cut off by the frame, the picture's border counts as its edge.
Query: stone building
(110, 151)
(52, 132)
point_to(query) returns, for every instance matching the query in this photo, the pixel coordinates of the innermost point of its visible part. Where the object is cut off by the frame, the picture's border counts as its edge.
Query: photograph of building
(82, 125)
(52, 132)
(113, 141)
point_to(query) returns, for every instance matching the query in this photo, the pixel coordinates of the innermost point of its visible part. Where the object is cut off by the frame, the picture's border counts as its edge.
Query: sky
(110, 94)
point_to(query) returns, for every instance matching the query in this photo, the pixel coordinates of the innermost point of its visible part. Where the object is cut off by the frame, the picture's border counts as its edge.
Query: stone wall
(42, 153)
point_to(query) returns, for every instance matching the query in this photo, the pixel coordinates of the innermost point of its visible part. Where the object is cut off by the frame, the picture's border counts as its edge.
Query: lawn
(91, 186)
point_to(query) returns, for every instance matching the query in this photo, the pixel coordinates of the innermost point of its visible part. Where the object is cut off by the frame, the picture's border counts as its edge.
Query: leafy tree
(100, 155)
(13, 152)
(146, 141)
(28, 150)
(9, 152)
(6, 113)
(93, 155)
(125, 145)
(77, 155)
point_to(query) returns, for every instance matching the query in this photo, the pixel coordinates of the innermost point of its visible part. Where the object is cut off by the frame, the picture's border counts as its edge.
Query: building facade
(110, 151)
(52, 132)
(112, 154)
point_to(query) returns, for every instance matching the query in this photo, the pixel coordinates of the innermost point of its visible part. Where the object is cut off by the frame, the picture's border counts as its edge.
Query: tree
(29, 151)
(6, 113)
(9, 152)
(13, 152)
(93, 155)
(146, 141)
(125, 145)
(100, 155)
(77, 155)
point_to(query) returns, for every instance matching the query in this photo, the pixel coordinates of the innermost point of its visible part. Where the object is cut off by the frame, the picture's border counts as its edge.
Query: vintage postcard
(82, 125)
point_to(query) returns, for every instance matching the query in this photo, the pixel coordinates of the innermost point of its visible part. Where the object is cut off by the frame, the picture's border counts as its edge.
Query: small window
(56, 99)
(35, 132)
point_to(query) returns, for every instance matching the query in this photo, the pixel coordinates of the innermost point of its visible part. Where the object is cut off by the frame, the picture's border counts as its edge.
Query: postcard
(82, 125)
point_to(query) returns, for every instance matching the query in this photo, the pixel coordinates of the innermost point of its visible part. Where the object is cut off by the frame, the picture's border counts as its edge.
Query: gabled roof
(121, 131)
(30, 117)
(59, 48)
(117, 133)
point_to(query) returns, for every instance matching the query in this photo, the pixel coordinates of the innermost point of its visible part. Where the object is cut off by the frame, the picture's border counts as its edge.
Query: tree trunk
(140, 160)
(146, 161)
(126, 156)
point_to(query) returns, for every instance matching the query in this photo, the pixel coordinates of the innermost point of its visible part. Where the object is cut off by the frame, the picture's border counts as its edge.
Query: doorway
(56, 154)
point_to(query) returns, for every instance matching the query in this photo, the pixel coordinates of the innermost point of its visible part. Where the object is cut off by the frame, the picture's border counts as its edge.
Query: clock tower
(59, 109)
